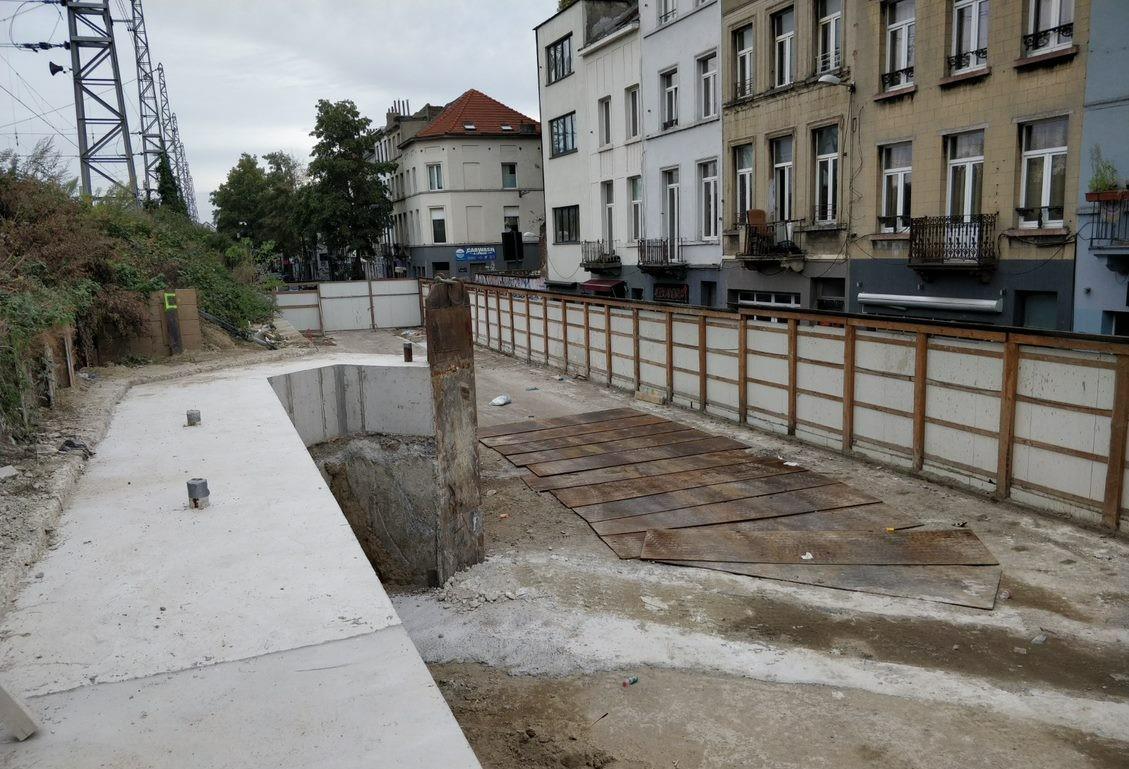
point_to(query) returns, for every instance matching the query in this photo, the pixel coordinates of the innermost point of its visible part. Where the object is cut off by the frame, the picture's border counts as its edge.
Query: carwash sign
(476, 254)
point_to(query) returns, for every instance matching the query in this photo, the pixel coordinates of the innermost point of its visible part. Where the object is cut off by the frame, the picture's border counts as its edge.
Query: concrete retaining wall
(352, 305)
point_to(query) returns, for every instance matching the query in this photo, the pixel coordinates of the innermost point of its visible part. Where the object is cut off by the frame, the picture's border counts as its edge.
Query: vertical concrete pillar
(450, 354)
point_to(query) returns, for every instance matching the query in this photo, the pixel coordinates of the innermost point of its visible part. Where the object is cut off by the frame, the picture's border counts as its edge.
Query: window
(966, 174)
(635, 188)
(707, 180)
(607, 197)
(631, 110)
(899, 44)
(511, 218)
(566, 224)
(897, 173)
(668, 82)
(743, 162)
(829, 294)
(780, 299)
(670, 207)
(438, 226)
(562, 134)
(784, 59)
(970, 36)
(826, 142)
(743, 75)
(782, 178)
(1044, 173)
(668, 9)
(1052, 26)
(707, 86)
(830, 13)
(558, 59)
(509, 176)
(604, 120)
(434, 176)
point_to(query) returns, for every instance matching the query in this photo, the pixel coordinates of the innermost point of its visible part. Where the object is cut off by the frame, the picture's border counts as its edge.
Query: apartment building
(1101, 285)
(968, 157)
(468, 189)
(786, 154)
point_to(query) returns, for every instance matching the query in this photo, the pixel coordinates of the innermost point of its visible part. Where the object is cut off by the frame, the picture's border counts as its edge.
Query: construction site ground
(531, 648)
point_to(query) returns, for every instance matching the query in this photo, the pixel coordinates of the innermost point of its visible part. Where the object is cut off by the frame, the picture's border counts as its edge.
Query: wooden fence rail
(1037, 418)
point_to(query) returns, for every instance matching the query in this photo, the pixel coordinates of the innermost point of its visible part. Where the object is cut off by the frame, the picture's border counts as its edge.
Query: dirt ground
(531, 647)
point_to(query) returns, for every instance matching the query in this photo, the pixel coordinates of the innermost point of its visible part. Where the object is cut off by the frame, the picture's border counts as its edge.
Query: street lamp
(830, 79)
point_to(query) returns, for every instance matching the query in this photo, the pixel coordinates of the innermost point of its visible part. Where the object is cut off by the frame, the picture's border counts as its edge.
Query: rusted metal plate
(641, 470)
(595, 449)
(956, 547)
(783, 504)
(973, 586)
(541, 424)
(701, 495)
(587, 439)
(641, 487)
(878, 516)
(626, 545)
(611, 426)
(617, 458)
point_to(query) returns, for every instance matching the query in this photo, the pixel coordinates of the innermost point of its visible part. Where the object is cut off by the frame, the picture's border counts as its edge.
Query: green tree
(282, 215)
(168, 189)
(241, 201)
(348, 201)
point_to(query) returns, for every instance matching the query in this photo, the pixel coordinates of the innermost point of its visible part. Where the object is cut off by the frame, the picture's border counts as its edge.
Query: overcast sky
(244, 75)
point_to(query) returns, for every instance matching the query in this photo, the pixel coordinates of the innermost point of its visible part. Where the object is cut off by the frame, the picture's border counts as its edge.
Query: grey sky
(244, 75)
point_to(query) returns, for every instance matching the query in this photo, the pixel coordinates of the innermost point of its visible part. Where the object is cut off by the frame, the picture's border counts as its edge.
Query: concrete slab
(139, 588)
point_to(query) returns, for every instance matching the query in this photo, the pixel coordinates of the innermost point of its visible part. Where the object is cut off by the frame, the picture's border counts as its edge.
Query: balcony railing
(1111, 227)
(967, 242)
(669, 16)
(669, 123)
(897, 78)
(828, 61)
(966, 60)
(598, 255)
(661, 253)
(768, 241)
(1040, 216)
(1046, 38)
(743, 89)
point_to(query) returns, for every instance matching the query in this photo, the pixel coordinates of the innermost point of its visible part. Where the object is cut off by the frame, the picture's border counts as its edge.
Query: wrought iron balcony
(1111, 227)
(743, 89)
(968, 60)
(828, 61)
(596, 255)
(1044, 37)
(953, 242)
(661, 254)
(897, 78)
(768, 242)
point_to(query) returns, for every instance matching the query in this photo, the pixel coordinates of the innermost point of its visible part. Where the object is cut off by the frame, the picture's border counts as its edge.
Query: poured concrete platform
(251, 633)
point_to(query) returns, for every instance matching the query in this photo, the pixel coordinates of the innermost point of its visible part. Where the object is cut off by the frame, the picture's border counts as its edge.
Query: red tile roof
(485, 114)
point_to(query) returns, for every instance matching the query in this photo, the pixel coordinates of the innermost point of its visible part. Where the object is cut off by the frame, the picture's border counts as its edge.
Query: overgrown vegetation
(67, 262)
(1104, 173)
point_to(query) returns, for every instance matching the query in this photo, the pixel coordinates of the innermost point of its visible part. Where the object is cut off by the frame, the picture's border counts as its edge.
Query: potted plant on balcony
(1105, 185)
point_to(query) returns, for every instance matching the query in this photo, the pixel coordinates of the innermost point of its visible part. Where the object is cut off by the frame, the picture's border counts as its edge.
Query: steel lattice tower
(104, 143)
(177, 156)
(152, 132)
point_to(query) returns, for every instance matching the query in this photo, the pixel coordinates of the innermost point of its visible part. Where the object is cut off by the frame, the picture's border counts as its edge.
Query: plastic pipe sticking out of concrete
(407, 352)
(198, 493)
(193, 417)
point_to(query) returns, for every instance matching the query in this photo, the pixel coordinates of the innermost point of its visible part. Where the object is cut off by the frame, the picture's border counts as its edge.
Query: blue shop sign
(476, 254)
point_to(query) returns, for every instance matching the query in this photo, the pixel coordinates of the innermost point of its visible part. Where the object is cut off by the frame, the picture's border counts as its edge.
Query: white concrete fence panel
(352, 305)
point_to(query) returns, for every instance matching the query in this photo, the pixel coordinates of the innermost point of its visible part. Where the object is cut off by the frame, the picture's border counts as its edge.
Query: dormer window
(469, 126)
(507, 127)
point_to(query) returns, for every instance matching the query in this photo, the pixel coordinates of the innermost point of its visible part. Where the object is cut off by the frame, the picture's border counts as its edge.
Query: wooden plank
(787, 503)
(513, 343)
(607, 436)
(564, 331)
(587, 342)
(792, 375)
(669, 356)
(702, 379)
(641, 487)
(608, 447)
(1007, 420)
(580, 431)
(528, 331)
(1119, 427)
(920, 379)
(848, 387)
(635, 345)
(572, 419)
(486, 298)
(742, 370)
(626, 545)
(545, 326)
(702, 495)
(957, 547)
(638, 455)
(641, 470)
(608, 342)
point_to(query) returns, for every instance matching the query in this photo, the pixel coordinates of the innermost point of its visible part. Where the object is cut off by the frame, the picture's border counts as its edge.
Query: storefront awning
(601, 286)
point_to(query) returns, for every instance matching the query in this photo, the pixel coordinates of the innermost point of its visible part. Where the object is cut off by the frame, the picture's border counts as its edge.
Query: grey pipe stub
(198, 493)
(193, 417)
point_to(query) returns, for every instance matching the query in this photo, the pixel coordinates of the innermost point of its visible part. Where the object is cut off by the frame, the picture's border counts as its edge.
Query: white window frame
(975, 60)
(668, 84)
(830, 61)
(1047, 155)
(631, 110)
(901, 55)
(900, 175)
(708, 198)
(1063, 13)
(707, 86)
(667, 11)
(607, 223)
(604, 121)
(826, 195)
(969, 164)
(782, 179)
(671, 206)
(635, 191)
(744, 182)
(434, 177)
(783, 48)
(744, 74)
